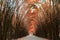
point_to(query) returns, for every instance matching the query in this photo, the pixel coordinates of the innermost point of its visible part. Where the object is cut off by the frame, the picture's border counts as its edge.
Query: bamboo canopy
(14, 13)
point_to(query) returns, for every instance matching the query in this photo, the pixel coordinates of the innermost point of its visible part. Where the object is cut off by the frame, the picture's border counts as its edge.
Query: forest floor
(31, 37)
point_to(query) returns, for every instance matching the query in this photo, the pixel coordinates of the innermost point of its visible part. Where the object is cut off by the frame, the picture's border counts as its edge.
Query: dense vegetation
(11, 24)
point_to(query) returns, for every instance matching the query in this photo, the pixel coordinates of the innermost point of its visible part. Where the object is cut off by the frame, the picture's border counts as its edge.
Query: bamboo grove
(12, 25)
